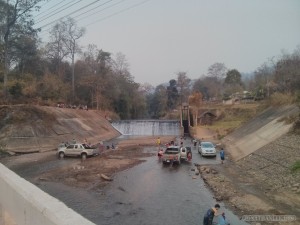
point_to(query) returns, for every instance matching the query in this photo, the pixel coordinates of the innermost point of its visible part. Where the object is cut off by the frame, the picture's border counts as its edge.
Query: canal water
(147, 194)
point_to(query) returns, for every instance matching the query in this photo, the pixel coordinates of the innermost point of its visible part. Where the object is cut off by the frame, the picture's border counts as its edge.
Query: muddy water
(149, 193)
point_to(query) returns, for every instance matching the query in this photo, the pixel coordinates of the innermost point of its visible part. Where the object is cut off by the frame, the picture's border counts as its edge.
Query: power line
(104, 18)
(49, 8)
(96, 8)
(59, 11)
(82, 13)
(119, 12)
(99, 10)
(65, 6)
(74, 12)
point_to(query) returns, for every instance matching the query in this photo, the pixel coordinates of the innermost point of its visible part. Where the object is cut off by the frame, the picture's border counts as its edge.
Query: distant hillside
(26, 128)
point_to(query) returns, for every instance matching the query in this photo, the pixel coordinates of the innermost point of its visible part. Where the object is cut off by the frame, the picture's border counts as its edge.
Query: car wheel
(83, 156)
(61, 155)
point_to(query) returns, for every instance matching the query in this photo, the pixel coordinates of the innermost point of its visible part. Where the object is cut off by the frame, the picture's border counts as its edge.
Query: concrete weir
(147, 127)
(22, 203)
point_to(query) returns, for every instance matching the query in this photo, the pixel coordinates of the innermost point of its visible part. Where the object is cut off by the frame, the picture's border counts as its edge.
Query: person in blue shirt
(222, 155)
(210, 214)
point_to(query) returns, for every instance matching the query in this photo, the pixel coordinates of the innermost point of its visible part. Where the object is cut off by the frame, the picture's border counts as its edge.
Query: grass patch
(222, 128)
(230, 117)
(278, 99)
(295, 167)
(2, 150)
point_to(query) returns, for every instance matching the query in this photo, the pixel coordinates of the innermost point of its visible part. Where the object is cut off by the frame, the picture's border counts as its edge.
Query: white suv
(207, 149)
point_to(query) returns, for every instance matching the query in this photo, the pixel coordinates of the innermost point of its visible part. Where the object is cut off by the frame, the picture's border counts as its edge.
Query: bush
(296, 166)
(3, 149)
(296, 127)
(278, 99)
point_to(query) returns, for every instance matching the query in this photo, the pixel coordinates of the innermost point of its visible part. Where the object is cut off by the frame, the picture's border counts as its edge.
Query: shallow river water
(149, 193)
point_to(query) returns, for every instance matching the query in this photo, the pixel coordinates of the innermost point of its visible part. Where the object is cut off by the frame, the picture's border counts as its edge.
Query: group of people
(211, 213)
(63, 105)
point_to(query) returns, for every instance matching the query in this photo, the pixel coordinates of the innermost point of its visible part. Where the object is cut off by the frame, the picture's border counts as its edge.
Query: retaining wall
(22, 203)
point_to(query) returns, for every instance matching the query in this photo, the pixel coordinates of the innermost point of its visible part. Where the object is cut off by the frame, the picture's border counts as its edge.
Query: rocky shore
(261, 183)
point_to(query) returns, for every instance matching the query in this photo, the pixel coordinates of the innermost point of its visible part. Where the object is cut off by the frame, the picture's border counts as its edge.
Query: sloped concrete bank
(25, 128)
(265, 128)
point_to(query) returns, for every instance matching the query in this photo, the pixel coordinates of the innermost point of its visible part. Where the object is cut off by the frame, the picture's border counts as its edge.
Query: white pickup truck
(171, 155)
(176, 154)
(81, 150)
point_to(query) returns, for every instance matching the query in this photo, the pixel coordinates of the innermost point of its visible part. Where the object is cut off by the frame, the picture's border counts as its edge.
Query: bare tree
(120, 64)
(55, 49)
(286, 74)
(71, 35)
(218, 70)
(216, 75)
(90, 58)
(263, 79)
(183, 84)
(97, 74)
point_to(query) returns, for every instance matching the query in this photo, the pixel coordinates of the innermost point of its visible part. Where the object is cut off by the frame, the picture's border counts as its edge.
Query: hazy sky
(162, 37)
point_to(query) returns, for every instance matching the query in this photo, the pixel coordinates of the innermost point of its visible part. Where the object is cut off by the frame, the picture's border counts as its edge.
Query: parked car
(81, 150)
(207, 149)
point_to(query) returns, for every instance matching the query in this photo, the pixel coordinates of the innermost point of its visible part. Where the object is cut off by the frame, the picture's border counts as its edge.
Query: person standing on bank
(210, 214)
(222, 155)
(158, 142)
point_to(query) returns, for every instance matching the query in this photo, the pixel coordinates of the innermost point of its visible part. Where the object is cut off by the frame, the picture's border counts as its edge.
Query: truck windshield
(172, 150)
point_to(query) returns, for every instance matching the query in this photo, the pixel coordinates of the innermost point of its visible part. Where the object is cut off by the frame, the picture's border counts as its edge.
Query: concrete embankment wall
(22, 203)
(26, 129)
(265, 128)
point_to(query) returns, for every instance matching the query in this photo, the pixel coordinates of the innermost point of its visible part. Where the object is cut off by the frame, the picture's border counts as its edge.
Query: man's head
(217, 206)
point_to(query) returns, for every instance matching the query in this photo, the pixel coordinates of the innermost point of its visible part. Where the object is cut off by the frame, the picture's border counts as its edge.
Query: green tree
(173, 95)
(133, 102)
(97, 78)
(16, 22)
(199, 86)
(51, 87)
(158, 102)
(233, 81)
